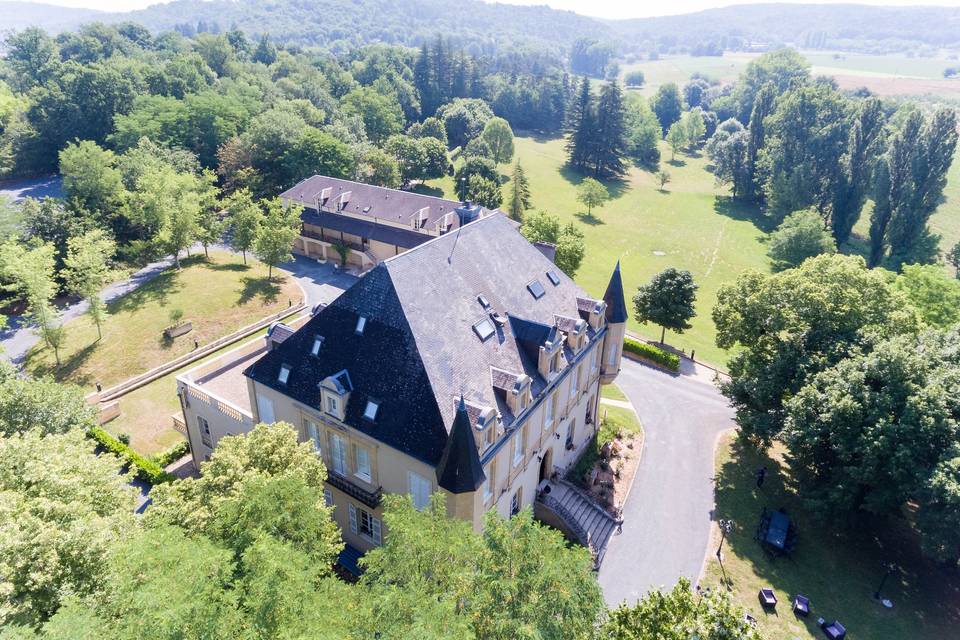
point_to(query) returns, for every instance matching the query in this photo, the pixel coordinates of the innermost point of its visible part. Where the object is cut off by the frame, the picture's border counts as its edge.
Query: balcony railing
(330, 239)
(370, 498)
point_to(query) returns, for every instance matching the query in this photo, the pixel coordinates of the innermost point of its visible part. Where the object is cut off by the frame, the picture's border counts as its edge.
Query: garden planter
(178, 330)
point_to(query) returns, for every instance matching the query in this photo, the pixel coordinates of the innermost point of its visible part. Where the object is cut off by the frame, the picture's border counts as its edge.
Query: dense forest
(484, 28)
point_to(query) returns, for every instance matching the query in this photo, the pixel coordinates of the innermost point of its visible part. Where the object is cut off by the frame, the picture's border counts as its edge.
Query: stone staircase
(589, 522)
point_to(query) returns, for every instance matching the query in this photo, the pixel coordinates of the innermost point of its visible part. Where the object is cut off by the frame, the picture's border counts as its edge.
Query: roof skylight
(536, 289)
(284, 374)
(317, 342)
(554, 277)
(484, 329)
(361, 323)
(370, 412)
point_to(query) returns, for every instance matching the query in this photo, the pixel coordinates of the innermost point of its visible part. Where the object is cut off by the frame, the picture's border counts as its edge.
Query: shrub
(145, 469)
(654, 354)
(172, 454)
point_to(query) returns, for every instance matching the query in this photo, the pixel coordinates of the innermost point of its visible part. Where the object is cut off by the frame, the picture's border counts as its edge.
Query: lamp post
(890, 569)
(725, 527)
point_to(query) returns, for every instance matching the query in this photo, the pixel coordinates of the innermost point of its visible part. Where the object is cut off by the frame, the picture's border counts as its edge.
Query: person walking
(761, 476)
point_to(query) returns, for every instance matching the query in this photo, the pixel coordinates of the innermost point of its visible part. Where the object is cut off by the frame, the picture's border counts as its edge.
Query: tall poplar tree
(863, 144)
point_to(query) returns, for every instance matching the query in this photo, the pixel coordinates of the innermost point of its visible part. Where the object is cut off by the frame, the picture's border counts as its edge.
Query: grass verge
(839, 570)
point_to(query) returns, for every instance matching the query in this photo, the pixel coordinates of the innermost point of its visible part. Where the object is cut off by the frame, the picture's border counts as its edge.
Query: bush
(654, 354)
(172, 454)
(146, 470)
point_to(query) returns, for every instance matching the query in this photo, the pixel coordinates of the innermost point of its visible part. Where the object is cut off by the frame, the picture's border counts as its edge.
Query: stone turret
(460, 472)
(616, 319)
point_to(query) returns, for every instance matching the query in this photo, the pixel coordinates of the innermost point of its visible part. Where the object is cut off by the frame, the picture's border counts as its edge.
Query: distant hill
(19, 15)
(482, 27)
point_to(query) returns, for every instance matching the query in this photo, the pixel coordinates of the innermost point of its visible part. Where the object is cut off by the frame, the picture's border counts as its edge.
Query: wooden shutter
(375, 526)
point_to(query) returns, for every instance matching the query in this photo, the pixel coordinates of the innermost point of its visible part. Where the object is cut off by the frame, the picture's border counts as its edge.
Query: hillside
(483, 28)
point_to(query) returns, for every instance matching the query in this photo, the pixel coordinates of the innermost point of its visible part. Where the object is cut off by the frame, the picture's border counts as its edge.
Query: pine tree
(519, 200)
(581, 128)
(611, 132)
(423, 82)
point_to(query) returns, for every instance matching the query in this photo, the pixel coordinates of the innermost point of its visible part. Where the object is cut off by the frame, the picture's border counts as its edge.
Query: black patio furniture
(768, 599)
(801, 605)
(835, 630)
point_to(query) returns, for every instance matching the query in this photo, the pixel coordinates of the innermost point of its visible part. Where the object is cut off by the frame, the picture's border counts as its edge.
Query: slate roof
(418, 349)
(365, 228)
(616, 306)
(369, 201)
(459, 469)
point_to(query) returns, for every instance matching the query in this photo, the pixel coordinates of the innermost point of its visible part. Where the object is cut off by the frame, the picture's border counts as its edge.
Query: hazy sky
(603, 8)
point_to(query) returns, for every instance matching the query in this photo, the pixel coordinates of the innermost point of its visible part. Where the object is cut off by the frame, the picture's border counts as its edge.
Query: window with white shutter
(338, 454)
(314, 434)
(365, 525)
(419, 490)
(265, 409)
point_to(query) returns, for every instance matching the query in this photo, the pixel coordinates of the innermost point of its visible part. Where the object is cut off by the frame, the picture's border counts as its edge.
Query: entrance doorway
(546, 465)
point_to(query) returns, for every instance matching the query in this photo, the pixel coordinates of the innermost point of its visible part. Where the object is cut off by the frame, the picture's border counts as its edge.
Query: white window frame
(595, 361)
(364, 469)
(420, 489)
(548, 412)
(313, 433)
(516, 502)
(265, 409)
(333, 405)
(518, 447)
(574, 382)
(338, 454)
(206, 438)
(361, 519)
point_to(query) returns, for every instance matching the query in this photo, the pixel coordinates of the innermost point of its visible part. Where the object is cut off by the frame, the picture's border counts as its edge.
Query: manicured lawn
(691, 225)
(839, 570)
(612, 392)
(218, 296)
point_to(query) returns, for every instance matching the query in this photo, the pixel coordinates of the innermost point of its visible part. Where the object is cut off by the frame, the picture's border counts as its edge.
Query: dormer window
(317, 343)
(284, 374)
(370, 411)
(361, 323)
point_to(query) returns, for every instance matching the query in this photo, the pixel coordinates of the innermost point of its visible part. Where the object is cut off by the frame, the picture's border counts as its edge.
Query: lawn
(838, 570)
(691, 225)
(612, 392)
(218, 296)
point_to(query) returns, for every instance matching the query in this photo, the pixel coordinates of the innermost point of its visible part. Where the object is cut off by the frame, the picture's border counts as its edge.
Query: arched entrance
(546, 465)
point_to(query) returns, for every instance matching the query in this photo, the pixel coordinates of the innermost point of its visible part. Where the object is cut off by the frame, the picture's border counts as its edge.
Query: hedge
(145, 469)
(172, 454)
(654, 354)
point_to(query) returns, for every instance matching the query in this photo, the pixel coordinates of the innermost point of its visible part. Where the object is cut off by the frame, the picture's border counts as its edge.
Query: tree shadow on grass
(741, 210)
(253, 288)
(69, 369)
(228, 266)
(615, 186)
(589, 219)
(838, 562)
(677, 162)
(427, 190)
(158, 289)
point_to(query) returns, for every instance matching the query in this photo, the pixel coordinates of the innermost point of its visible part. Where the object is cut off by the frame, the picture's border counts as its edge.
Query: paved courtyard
(668, 512)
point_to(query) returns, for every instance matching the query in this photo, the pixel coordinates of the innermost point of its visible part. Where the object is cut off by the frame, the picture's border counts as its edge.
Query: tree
(381, 114)
(676, 138)
(33, 57)
(30, 271)
(464, 119)
(679, 613)
(792, 324)
(264, 483)
(88, 269)
(642, 130)
(475, 166)
(516, 579)
(245, 218)
(779, 70)
(610, 141)
(667, 300)
(266, 51)
(694, 127)
(499, 137)
(693, 92)
(167, 207)
(519, 198)
(279, 228)
(800, 236)
(41, 405)
(934, 295)
(581, 128)
(909, 187)
(667, 104)
(91, 180)
(863, 146)
(663, 177)
(634, 79)
(728, 151)
(591, 193)
(484, 192)
(869, 433)
(376, 166)
(210, 227)
(64, 507)
(540, 226)
(410, 156)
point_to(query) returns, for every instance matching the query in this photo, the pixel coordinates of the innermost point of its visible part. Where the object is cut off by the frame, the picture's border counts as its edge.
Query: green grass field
(218, 297)
(864, 64)
(691, 225)
(838, 569)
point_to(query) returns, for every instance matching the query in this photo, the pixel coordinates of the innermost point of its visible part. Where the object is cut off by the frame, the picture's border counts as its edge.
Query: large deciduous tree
(540, 226)
(668, 105)
(792, 324)
(278, 229)
(30, 271)
(667, 300)
(244, 220)
(499, 137)
(87, 269)
(91, 181)
(801, 235)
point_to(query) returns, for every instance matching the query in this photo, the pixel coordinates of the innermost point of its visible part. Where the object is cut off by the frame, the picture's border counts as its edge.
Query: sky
(600, 8)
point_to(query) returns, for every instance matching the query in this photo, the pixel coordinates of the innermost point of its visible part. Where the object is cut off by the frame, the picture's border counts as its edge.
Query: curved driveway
(668, 512)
